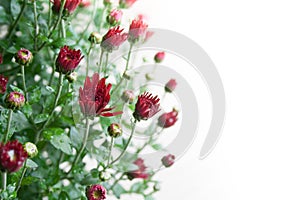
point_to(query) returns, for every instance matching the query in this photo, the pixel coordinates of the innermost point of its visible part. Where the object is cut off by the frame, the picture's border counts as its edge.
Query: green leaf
(157, 146)
(16, 89)
(76, 137)
(50, 132)
(27, 110)
(41, 118)
(137, 187)
(31, 164)
(98, 17)
(15, 8)
(118, 190)
(35, 95)
(62, 142)
(149, 198)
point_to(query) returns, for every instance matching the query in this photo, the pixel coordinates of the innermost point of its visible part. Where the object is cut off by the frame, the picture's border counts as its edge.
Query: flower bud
(170, 85)
(168, 160)
(85, 3)
(156, 187)
(104, 176)
(167, 120)
(114, 130)
(15, 100)
(159, 57)
(68, 60)
(128, 96)
(114, 17)
(149, 77)
(23, 57)
(31, 149)
(70, 6)
(72, 77)
(3, 83)
(126, 3)
(95, 38)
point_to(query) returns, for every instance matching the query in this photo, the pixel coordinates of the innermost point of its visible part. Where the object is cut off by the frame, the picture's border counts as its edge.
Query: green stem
(4, 180)
(24, 82)
(9, 119)
(110, 151)
(106, 62)
(63, 28)
(59, 89)
(100, 61)
(36, 33)
(62, 5)
(116, 181)
(13, 27)
(127, 144)
(124, 73)
(49, 13)
(85, 138)
(88, 59)
(89, 23)
(22, 176)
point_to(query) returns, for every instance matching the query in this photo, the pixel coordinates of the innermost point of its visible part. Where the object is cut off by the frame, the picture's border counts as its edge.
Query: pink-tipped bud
(159, 57)
(114, 17)
(168, 160)
(15, 100)
(170, 85)
(114, 130)
(23, 57)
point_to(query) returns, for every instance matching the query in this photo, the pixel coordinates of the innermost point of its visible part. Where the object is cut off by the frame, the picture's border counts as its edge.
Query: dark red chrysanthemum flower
(159, 57)
(95, 192)
(137, 30)
(126, 3)
(12, 156)
(23, 57)
(113, 39)
(146, 106)
(68, 59)
(140, 172)
(168, 119)
(3, 83)
(170, 85)
(70, 5)
(15, 100)
(168, 160)
(94, 97)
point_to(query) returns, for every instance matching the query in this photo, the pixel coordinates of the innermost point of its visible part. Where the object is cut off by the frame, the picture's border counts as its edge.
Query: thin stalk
(110, 151)
(13, 27)
(62, 5)
(59, 89)
(85, 137)
(106, 62)
(36, 25)
(9, 119)
(126, 68)
(88, 59)
(23, 81)
(127, 144)
(100, 61)
(49, 14)
(4, 180)
(22, 176)
(63, 28)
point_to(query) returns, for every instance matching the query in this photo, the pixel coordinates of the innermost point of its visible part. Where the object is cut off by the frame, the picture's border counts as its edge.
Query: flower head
(12, 156)
(31, 149)
(23, 57)
(137, 30)
(94, 97)
(159, 57)
(146, 106)
(140, 172)
(126, 3)
(68, 59)
(114, 17)
(170, 85)
(95, 192)
(15, 100)
(85, 3)
(168, 119)
(113, 39)
(168, 160)
(114, 130)
(3, 83)
(69, 7)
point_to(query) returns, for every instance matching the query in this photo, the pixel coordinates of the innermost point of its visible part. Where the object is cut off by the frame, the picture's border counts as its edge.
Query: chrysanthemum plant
(49, 127)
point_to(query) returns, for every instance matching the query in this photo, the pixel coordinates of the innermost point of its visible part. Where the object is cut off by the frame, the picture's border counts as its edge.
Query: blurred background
(255, 46)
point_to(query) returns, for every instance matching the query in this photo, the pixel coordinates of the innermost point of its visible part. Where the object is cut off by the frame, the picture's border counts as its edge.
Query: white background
(255, 46)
